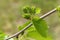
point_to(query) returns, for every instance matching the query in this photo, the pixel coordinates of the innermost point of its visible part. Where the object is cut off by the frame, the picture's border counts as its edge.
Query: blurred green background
(11, 10)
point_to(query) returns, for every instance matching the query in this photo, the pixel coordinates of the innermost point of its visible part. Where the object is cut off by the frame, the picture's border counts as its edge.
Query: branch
(42, 17)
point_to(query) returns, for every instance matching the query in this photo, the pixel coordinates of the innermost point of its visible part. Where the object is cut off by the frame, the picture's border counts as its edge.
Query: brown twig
(42, 17)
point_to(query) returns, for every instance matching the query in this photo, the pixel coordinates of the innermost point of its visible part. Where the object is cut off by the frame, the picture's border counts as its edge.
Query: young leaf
(31, 10)
(41, 26)
(26, 9)
(38, 10)
(35, 10)
(58, 8)
(27, 16)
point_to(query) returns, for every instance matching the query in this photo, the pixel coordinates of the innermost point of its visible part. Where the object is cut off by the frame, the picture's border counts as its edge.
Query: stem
(42, 17)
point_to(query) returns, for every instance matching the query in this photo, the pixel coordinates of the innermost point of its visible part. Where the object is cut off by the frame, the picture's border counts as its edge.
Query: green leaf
(31, 10)
(35, 10)
(2, 36)
(36, 36)
(58, 8)
(38, 10)
(33, 34)
(26, 9)
(27, 16)
(32, 28)
(41, 26)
